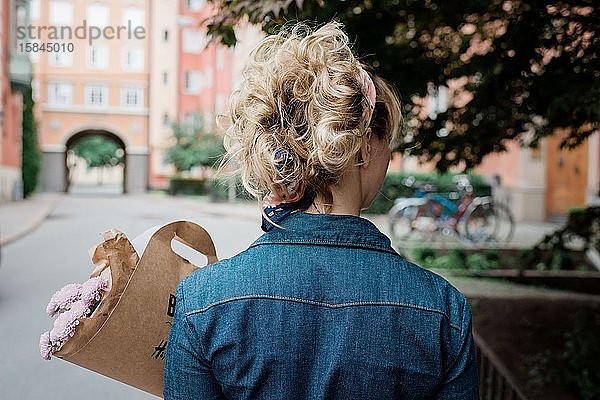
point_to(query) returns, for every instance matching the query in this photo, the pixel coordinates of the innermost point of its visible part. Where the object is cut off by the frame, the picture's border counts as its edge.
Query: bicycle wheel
(401, 221)
(505, 223)
(481, 222)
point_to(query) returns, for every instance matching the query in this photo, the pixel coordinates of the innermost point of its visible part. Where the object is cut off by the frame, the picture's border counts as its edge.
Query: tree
(99, 152)
(518, 69)
(193, 148)
(30, 152)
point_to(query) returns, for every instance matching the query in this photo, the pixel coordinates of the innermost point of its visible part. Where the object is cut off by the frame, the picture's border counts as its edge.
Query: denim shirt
(321, 309)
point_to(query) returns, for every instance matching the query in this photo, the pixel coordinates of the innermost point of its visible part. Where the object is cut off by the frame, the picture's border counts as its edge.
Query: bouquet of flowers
(117, 323)
(71, 303)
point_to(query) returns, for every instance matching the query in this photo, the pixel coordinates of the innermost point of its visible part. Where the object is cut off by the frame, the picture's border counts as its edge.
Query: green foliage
(574, 362)
(537, 68)
(187, 186)
(30, 152)
(394, 186)
(219, 189)
(455, 259)
(554, 251)
(193, 147)
(99, 151)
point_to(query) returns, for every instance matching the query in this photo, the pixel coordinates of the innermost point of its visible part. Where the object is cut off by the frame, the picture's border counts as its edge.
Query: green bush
(187, 186)
(30, 153)
(394, 187)
(555, 251)
(455, 259)
(218, 189)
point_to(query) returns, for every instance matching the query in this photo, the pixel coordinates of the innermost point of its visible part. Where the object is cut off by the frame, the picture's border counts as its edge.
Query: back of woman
(320, 306)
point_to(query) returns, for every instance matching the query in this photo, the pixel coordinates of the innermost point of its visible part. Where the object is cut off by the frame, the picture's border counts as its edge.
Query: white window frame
(138, 62)
(60, 12)
(192, 82)
(34, 56)
(97, 57)
(60, 58)
(94, 15)
(34, 10)
(60, 93)
(136, 15)
(102, 94)
(194, 40)
(132, 91)
(195, 5)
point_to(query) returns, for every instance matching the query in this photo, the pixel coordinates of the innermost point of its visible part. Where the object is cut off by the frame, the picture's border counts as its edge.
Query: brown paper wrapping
(127, 335)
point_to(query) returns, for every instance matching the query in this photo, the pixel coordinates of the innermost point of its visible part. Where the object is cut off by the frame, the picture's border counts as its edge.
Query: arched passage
(76, 138)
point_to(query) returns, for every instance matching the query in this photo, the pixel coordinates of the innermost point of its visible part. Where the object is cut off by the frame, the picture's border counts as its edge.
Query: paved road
(34, 267)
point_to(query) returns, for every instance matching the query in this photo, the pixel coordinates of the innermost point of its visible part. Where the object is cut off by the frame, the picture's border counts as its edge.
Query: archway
(105, 152)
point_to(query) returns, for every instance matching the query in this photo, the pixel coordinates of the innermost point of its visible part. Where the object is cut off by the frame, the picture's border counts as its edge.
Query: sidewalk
(21, 217)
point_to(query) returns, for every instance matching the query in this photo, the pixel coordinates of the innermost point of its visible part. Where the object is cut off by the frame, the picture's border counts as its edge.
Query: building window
(60, 58)
(195, 5)
(60, 93)
(165, 120)
(98, 15)
(134, 16)
(61, 12)
(194, 40)
(133, 59)
(192, 81)
(165, 77)
(97, 57)
(34, 56)
(132, 97)
(166, 35)
(96, 95)
(34, 9)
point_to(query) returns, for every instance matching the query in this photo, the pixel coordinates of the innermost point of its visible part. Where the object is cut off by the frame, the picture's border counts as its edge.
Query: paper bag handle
(190, 234)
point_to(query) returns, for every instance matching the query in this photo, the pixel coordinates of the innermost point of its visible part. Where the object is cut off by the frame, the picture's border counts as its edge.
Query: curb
(36, 221)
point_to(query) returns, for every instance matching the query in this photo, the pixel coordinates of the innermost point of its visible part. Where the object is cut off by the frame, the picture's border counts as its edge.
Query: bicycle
(470, 218)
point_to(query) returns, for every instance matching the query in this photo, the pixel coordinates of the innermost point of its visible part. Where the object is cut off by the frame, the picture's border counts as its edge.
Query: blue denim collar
(326, 229)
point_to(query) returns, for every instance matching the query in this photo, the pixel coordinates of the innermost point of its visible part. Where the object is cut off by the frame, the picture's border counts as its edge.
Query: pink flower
(64, 326)
(63, 299)
(79, 309)
(45, 346)
(92, 288)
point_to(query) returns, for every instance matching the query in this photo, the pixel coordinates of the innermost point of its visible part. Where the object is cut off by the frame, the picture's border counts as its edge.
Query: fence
(495, 380)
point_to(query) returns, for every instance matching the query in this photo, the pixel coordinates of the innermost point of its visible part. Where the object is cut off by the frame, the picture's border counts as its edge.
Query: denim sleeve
(187, 374)
(461, 380)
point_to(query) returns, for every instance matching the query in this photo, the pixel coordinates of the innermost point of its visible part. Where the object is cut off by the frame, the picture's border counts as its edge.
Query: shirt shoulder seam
(323, 304)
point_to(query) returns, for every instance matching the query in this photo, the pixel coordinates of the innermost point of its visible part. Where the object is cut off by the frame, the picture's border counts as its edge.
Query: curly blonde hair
(298, 120)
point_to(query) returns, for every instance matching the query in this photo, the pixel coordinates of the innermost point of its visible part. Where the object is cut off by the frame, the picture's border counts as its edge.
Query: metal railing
(495, 380)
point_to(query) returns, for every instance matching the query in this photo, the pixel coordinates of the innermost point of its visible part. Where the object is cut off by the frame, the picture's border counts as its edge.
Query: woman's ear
(364, 155)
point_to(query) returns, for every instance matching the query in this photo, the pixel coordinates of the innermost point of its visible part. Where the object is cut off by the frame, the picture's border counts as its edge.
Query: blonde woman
(320, 306)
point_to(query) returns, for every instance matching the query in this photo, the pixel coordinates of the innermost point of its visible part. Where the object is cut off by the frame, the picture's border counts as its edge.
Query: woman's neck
(346, 199)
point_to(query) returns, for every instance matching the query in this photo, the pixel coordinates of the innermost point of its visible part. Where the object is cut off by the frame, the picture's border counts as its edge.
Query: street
(56, 253)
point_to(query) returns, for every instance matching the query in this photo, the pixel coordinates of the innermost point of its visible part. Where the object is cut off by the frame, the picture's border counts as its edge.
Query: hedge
(187, 186)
